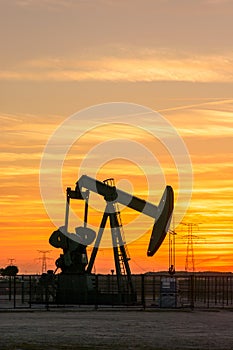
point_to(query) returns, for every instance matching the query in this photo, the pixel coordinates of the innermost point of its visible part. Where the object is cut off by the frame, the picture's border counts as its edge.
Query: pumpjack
(76, 282)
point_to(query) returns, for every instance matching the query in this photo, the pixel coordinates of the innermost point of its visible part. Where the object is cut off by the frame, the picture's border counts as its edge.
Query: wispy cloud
(209, 131)
(205, 120)
(22, 145)
(146, 66)
(46, 3)
(70, 3)
(56, 4)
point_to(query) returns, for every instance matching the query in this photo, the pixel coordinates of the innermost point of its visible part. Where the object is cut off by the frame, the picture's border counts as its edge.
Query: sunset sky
(174, 57)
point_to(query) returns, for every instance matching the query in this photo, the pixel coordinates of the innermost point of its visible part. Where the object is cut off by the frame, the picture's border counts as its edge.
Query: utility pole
(172, 253)
(44, 259)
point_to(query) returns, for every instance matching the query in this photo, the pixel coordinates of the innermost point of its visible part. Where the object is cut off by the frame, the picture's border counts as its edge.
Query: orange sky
(59, 57)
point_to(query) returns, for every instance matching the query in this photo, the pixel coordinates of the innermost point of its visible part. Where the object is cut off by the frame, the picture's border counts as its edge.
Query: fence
(150, 291)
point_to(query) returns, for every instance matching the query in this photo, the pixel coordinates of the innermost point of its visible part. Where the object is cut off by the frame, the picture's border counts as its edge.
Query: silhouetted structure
(44, 259)
(76, 272)
(190, 259)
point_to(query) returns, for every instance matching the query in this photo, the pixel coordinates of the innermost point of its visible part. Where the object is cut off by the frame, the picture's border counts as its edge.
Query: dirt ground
(79, 329)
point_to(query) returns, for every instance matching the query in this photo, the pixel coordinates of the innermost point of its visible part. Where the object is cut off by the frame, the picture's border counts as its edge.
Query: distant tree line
(10, 270)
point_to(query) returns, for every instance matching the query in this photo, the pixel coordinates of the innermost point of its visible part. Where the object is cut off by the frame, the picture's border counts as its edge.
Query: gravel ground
(159, 330)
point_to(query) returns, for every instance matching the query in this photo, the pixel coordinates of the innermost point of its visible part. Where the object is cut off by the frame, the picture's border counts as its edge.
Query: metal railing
(151, 291)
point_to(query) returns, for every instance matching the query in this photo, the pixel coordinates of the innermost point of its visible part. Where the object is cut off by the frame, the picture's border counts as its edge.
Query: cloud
(146, 66)
(72, 3)
(204, 120)
(218, 2)
(209, 131)
(59, 4)
(46, 3)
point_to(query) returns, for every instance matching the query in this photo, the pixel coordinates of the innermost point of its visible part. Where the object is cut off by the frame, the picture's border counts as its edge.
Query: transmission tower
(11, 260)
(190, 260)
(44, 259)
